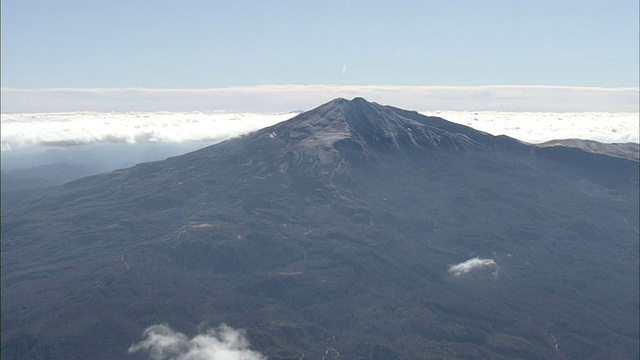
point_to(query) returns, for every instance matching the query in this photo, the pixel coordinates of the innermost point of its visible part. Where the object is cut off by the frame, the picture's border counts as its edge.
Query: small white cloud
(475, 263)
(222, 343)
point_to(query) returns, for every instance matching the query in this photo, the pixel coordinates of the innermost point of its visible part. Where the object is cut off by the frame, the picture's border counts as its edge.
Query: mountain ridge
(628, 150)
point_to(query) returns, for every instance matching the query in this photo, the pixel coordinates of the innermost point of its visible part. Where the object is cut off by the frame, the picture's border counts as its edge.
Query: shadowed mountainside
(336, 229)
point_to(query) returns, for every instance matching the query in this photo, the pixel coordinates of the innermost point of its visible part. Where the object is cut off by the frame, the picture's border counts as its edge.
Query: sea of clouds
(538, 127)
(85, 128)
(65, 129)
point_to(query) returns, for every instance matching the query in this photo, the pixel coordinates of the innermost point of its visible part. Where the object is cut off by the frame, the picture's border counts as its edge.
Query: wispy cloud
(473, 264)
(222, 343)
(279, 98)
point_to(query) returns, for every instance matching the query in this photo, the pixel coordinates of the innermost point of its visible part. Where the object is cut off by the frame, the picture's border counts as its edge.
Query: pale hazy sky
(213, 44)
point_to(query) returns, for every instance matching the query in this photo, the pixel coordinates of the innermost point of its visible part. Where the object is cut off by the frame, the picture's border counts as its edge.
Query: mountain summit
(354, 229)
(370, 126)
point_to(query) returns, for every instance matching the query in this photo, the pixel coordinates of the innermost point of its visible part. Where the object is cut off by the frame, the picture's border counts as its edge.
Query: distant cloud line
(285, 98)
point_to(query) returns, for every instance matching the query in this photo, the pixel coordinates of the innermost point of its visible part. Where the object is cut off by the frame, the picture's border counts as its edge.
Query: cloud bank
(282, 98)
(83, 128)
(473, 264)
(222, 343)
(538, 127)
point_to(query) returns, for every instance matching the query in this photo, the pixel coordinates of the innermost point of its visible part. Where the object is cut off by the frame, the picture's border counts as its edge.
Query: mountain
(624, 150)
(353, 228)
(54, 174)
(11, 183)
(18, 183)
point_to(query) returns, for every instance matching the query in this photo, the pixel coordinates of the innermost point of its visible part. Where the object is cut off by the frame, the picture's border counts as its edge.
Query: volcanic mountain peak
(371, 127)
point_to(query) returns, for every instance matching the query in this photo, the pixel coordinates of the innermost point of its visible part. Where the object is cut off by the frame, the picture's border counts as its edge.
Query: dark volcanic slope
(335, 229)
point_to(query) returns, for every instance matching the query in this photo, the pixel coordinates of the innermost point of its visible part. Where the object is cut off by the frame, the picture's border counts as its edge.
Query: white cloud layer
(475, 263)
(80, 128)
(222, 343)
(538, 127)
(280, 98)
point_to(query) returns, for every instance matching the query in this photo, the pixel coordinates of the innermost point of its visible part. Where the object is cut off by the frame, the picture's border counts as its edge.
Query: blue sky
(211, 44)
